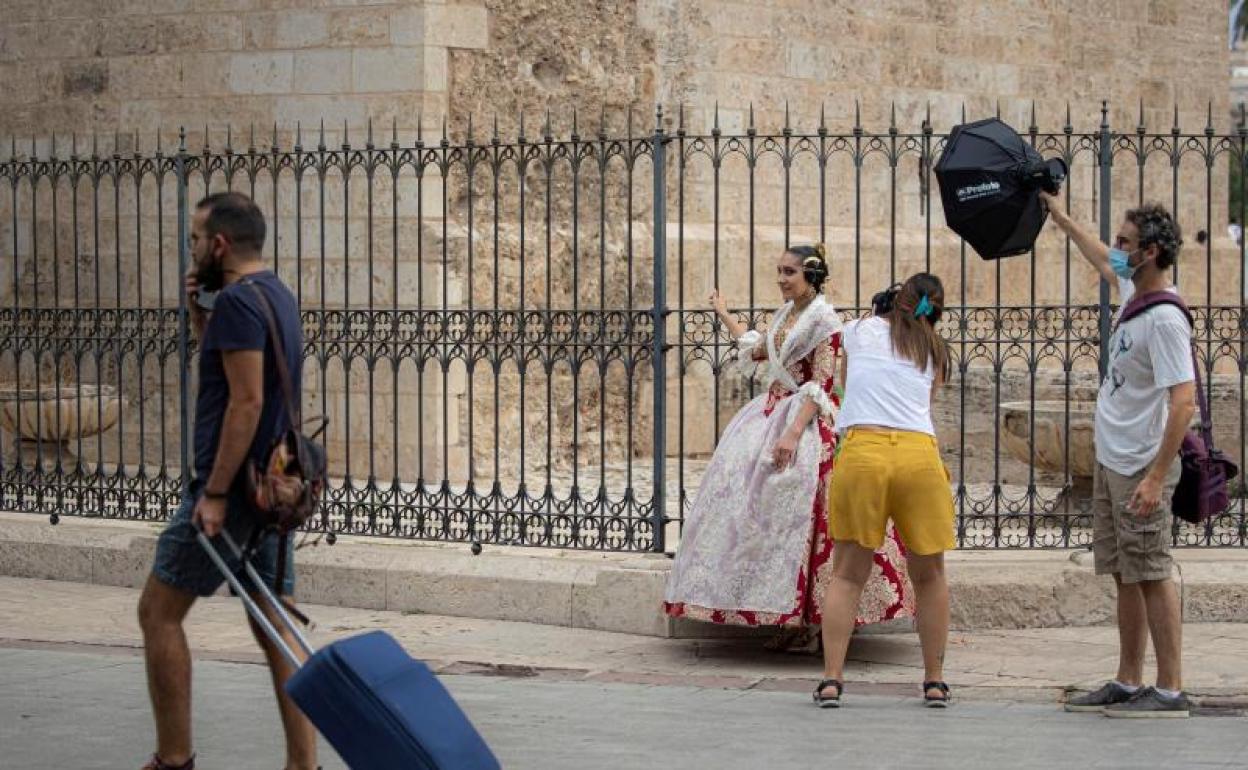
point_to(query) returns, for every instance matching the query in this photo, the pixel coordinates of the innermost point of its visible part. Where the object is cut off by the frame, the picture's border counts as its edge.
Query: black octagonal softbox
(989, 179)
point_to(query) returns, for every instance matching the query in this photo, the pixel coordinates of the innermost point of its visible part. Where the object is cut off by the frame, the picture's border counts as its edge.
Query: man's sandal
(828, 701)
(939, 701)
(156, 763)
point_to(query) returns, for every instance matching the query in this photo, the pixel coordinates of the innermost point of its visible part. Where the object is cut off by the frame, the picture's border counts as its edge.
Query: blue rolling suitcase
(377, 706)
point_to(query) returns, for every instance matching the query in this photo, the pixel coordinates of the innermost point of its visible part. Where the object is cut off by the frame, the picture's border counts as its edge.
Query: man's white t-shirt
(1148, 355)
(880, 387)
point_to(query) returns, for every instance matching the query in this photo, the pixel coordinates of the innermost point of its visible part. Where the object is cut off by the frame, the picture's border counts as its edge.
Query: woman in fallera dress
(755, 546)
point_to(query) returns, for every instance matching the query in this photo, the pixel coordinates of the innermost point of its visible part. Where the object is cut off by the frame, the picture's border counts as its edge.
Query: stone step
(603, 591)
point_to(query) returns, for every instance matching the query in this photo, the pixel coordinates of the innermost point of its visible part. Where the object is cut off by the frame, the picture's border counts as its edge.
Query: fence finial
(823, 117)
(658, 118)
(628, 121)
(181, 138)
(546, 129)
(445, 141)
(787, 127)
(205, 138)
(1105, 114)
(298, 135)
(1243, 118)
(1068, 128)
(575, 124)
(857, 115)
(1033, 129)
(469, 142)
(321, 142)
(420, 128)
(159, 146)
(602, 121)
(715, 120)
(521, 125)
(1174, 129)
(251, 137)
(229, 138)
(1209, 121)
(394, 132)
(346, 135)
(963, 112)
(892, 117)
(998, 108)
(750, 130)
(274, 144)
(368, 138)
(1139, 128)
(680, 118)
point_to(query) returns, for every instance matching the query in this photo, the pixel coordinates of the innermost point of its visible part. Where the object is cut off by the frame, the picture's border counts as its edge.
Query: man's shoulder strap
(1142, 302)
(279, 352)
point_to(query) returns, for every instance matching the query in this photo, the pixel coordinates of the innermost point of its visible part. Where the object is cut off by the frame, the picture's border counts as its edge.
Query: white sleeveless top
(881, 388)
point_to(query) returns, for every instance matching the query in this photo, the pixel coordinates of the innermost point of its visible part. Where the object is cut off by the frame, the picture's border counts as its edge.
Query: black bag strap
(279, 354)
(1140, 304)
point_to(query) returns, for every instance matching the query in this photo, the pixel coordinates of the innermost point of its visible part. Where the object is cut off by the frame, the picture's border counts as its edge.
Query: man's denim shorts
(182, 563)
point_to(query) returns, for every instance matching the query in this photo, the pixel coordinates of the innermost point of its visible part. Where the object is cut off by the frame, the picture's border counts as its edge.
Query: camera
(882, 303)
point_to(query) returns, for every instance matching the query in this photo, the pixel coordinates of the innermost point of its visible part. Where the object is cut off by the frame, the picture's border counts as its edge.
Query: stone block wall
(130, 70)
(148, 65)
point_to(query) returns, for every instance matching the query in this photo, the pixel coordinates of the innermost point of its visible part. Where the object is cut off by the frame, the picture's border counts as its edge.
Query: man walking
(1143, 410)
(239, 412)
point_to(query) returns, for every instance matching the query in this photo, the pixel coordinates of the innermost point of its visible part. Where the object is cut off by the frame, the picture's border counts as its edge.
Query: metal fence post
(659, 314)
(1106, 163)
(184, 361)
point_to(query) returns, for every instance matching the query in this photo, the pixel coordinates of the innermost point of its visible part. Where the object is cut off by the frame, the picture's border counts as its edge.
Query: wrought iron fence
(511, 339)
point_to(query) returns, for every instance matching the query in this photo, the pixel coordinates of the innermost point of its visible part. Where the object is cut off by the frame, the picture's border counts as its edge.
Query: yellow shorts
(898, 475)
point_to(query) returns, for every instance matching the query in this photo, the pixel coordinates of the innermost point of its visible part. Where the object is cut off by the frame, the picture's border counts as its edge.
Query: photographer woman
(889, 467)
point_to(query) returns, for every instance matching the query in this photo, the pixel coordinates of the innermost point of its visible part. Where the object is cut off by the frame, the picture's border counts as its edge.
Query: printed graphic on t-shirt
(1120, 344)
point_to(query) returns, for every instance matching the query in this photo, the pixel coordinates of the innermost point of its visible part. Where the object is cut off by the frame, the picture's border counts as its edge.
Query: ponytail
(918, 307)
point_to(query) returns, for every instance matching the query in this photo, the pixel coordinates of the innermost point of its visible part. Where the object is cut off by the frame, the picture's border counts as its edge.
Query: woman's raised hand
(718, 302)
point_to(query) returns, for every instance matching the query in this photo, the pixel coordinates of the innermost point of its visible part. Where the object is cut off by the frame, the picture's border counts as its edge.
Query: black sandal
(828, 701)
(936, 701)
(156, 763)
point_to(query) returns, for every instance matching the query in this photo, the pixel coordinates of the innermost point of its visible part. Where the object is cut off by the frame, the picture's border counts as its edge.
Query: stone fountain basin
(1051, 435)
(58, 413)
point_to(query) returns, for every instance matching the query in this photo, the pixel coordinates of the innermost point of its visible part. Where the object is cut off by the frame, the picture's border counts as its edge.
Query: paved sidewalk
(72, 693)
(1025, 665)
(89, 712)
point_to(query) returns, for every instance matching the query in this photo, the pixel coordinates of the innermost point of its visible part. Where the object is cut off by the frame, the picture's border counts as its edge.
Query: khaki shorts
(898, 475)
(1134, 548)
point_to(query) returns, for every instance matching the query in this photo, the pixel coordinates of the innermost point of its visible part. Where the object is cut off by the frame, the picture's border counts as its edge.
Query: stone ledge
(602, 591)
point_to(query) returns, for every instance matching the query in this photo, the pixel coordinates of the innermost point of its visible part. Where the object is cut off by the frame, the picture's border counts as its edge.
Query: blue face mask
(1120, 263)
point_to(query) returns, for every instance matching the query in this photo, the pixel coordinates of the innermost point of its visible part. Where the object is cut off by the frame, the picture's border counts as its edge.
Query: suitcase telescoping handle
(253, 609)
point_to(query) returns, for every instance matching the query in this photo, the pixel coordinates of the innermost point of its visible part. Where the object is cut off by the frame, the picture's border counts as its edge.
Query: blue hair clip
(924, 308)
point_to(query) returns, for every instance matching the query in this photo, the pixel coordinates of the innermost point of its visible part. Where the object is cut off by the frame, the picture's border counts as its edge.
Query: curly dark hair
(814, 263)
(1157, 226)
